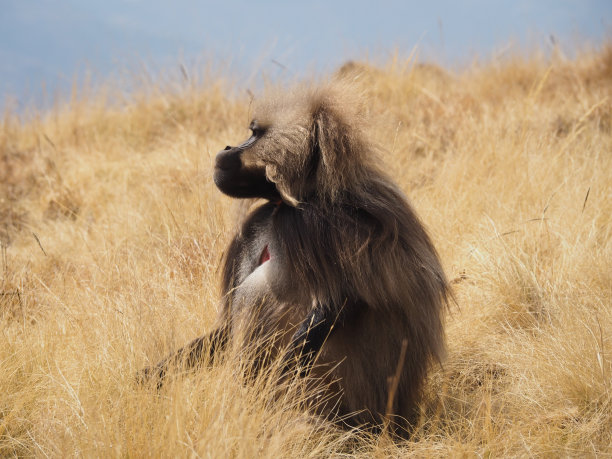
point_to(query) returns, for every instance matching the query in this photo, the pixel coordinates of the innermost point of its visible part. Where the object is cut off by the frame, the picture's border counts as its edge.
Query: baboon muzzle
(228, 159)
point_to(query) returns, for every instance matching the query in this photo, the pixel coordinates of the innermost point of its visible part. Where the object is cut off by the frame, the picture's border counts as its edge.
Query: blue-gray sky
(51, 41)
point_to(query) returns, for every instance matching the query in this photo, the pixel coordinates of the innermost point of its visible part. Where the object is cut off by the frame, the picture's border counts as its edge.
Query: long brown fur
(346, 238)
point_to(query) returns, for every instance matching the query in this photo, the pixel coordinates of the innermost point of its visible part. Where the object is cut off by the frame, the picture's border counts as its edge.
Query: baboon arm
(309, 339)
(188, 356)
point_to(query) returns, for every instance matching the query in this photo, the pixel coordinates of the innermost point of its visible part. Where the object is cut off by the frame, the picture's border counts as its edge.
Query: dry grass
(112, 231)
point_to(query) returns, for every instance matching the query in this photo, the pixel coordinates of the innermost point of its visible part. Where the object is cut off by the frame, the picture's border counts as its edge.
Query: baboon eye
(256, 129)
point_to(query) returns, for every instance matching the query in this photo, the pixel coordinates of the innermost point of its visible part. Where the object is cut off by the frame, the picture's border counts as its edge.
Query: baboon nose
(227, 148)
(228, 160)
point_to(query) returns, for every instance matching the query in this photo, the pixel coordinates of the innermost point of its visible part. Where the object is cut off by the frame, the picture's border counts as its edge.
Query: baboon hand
(151, 373)
(308, 340)
(187, 357)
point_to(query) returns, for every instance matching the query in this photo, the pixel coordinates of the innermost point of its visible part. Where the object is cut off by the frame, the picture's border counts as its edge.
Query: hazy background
(49, 44)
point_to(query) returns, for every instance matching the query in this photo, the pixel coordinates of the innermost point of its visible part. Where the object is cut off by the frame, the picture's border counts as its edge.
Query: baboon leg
(188, 356)
(309, 339)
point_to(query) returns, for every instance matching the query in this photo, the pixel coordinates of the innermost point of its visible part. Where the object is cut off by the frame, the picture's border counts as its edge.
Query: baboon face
(241, 173)
(278, 161)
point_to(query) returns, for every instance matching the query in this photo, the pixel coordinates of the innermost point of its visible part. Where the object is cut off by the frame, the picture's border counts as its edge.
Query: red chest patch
(265, 255)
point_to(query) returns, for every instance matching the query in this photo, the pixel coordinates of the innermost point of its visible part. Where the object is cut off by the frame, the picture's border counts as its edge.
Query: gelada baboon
(336, 262)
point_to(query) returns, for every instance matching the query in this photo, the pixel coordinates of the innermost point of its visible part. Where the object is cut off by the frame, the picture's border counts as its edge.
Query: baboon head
(303, 147)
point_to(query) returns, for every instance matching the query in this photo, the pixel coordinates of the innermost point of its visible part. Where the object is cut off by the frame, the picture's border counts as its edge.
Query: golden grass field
(112, 232)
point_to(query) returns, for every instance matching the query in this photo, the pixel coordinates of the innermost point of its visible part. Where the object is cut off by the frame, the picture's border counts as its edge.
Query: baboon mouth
(265, 255)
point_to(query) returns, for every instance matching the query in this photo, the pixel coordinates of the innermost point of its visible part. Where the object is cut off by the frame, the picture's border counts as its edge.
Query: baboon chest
(266, 288)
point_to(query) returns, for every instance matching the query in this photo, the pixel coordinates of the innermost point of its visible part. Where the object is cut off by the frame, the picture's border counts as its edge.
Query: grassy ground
(112, 232)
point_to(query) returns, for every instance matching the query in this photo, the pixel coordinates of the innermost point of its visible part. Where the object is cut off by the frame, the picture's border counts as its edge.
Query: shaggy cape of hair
(348, 235)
